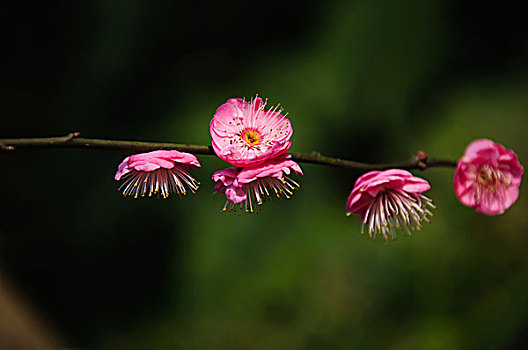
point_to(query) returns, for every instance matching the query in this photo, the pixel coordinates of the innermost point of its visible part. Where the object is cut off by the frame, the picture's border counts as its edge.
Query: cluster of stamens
(393, 210)
(161, 182)
(260, 191)
(489, 183)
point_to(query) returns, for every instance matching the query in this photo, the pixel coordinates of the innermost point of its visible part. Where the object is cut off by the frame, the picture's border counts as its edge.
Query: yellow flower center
(251, 138)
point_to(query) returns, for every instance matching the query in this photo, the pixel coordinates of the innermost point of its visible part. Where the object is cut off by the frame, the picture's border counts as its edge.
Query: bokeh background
(83, 267)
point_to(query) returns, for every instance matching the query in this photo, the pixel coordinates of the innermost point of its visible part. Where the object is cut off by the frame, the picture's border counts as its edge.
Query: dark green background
(364, 80)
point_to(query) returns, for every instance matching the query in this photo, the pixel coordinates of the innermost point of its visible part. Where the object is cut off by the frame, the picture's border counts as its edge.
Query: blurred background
(83, 267)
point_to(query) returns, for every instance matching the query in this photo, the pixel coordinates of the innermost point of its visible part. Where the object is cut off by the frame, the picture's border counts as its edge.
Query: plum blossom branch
(73, 140)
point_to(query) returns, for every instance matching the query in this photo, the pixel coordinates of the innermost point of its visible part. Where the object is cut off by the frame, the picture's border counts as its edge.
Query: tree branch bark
(72, 140)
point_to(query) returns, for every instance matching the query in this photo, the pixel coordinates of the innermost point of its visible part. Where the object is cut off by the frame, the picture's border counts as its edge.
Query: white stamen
(262, 190)
(162, 182)
(396, 209)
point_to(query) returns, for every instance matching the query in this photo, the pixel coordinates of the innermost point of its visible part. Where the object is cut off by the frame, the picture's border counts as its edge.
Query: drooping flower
(248, 188)
(488, 177)
(157, 173)
(247, 134)
(389, 200)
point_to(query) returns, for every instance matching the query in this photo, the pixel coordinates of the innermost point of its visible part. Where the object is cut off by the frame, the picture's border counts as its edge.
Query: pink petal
(143, 166)
(226, 176)
(226, 121)
(235, 194)
(122, 169)
(357, 201)
(220, 188)
(271, 168)
(397, 173)
(416, 185)
(154, 160)
(474, 149)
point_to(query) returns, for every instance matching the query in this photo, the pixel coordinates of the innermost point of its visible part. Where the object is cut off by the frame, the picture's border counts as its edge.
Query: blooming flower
(247, 134)
(487, 177)
(389, 200)
(157, 172)
(248, 188)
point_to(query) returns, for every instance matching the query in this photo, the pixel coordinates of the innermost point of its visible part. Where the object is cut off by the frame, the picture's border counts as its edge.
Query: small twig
(72, 140)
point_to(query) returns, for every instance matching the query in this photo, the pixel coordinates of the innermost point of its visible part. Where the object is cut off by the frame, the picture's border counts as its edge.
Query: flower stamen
(393, 210)
(162, 182)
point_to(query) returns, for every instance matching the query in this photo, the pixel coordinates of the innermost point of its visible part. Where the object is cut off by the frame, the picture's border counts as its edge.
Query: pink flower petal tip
(248, 188)
(390, 200)
(247, 134)
(488, 177)
(157, 173)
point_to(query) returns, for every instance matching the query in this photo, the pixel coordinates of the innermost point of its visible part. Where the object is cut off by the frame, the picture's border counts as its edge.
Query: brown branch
(72, 140)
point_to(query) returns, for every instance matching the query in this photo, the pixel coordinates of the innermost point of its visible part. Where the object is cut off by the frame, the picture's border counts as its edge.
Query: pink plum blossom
(487, 177)
(157, 172)
(247, 134)
(248, 188)
(389, 200)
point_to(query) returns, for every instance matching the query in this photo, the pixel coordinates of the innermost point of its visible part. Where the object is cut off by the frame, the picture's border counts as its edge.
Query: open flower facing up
(487, 177)
(389, 200)
(248, 188)
(247, 134)
(158, 172)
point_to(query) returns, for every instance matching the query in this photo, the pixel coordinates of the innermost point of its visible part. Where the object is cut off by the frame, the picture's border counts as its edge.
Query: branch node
(421, 156)
(71, 136)
(421, 159)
